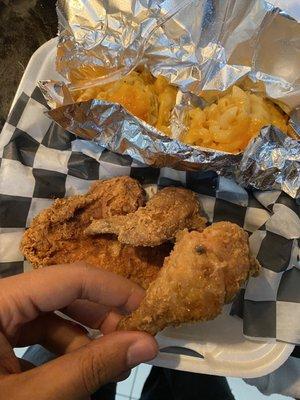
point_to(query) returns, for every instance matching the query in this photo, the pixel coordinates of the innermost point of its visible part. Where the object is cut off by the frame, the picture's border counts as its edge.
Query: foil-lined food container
(203, 47)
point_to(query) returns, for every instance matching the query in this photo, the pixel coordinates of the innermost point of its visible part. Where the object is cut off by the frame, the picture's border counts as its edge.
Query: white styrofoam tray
(216, 347)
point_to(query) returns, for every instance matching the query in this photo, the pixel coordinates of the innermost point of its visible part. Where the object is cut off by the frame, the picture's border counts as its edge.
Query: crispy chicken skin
(167, 212)
(56, 234)
(204, 271)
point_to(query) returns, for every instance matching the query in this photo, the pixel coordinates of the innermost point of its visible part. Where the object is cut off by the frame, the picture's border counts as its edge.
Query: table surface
(26, 25)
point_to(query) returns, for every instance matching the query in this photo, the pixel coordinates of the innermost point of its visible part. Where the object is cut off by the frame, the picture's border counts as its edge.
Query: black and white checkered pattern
(40, 161)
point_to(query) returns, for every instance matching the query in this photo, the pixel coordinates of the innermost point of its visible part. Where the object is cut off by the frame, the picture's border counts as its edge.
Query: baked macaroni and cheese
(148, 98)
(231, 122)
(227, 125)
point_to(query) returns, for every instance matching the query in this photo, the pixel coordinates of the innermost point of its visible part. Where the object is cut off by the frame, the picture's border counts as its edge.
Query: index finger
(56, 287)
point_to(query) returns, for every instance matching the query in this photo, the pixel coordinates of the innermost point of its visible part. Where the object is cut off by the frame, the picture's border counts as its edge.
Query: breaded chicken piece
(204, 271)
(167, 212)
(56, 234)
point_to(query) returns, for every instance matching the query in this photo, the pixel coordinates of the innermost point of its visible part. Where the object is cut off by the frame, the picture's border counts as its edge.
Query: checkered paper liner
(40, 161)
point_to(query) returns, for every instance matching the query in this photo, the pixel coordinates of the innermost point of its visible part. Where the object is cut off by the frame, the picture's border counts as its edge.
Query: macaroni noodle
(227, 125)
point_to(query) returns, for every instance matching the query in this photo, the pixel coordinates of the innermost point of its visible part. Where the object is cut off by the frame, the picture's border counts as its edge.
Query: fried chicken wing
(204, 271)
(169, 211)
(56, 234)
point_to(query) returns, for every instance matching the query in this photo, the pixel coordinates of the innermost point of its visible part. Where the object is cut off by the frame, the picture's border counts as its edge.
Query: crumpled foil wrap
(113, 127)
(203, 47)
(271, 161)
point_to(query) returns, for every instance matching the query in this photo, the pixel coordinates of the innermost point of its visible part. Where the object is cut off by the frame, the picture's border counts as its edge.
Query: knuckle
(94, 372)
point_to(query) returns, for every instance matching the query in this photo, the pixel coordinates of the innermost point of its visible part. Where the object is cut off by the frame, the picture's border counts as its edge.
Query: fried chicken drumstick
(167, 212)
(204, 271)
(56, 235)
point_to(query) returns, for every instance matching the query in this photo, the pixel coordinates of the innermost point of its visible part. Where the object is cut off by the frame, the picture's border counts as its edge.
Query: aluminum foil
(272, 161)
(113, 127)
(203, 47)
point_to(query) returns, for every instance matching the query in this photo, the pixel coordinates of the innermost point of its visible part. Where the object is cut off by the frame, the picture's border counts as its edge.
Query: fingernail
(141, 351)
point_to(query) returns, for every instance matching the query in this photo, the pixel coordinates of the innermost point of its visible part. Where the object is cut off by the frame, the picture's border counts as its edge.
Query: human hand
(92, 297)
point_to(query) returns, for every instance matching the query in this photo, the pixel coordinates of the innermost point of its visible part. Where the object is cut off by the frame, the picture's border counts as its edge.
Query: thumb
(78, 374)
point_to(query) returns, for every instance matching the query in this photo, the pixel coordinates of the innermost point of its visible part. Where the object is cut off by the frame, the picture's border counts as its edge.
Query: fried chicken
(56, 235)
(167, 212)
(204, 271)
